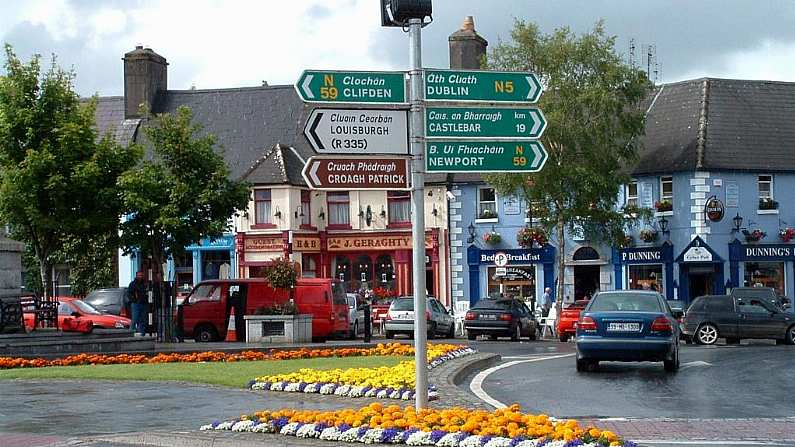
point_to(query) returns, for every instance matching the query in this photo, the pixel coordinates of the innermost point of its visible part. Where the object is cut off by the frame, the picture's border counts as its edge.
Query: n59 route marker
(363, 87)
(357, 132)
(482, 122)
(483, 86)
(484, 156)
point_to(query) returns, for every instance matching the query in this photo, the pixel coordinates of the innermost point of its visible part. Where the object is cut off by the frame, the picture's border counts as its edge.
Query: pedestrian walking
(137, 295)
(545, 302)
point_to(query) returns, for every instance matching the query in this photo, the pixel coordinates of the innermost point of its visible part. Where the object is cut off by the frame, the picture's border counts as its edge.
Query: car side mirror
(75, 314)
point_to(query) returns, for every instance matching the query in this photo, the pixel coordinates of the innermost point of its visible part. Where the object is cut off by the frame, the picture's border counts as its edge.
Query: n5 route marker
(362, 87)
(357, 132)
(357, 173)
(482, 86)
(481, 122)
(484, 156)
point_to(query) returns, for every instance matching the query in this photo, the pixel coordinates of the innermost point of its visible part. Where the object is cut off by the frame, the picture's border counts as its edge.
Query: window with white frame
(632, 194)
(399, 203)
(306, 209)
(765, 186)
(338, 208)
(487, 203)
(667, 188)
(262, 206)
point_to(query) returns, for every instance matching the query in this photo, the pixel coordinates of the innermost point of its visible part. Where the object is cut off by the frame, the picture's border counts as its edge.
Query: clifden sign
(478, 122)
(486, 86)
(363, 87)
(484, 156)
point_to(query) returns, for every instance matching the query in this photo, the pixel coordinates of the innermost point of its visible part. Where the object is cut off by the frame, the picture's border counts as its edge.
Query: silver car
(400, 318)
(355, 316)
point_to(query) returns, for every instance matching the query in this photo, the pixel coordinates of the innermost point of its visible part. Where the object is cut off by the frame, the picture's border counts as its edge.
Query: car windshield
(205, 292)
(625, 302)
(493, 305)
(103, 297)
(403, 304)
(86, 308)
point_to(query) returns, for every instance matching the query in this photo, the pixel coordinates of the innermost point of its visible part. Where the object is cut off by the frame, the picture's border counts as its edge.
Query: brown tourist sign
(357, 173)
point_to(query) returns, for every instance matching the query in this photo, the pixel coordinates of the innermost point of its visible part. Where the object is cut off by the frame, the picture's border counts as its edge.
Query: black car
(110, 301)
(495, 318)
(725, 316)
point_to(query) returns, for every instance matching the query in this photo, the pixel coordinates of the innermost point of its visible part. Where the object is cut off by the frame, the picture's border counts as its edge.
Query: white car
(400, 318)
(355, 316)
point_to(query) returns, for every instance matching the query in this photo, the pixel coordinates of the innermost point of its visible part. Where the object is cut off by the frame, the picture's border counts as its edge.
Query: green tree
(593, 102)
(181, 194)
(58, 178)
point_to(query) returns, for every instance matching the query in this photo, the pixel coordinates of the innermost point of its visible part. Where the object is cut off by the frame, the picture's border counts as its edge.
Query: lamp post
(471, 229)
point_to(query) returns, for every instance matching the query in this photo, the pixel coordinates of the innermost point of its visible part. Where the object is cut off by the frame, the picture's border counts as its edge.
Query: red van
(204, 314)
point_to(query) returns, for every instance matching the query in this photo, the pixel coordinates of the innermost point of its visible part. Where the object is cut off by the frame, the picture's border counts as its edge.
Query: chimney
(467, 48)
(145, 76)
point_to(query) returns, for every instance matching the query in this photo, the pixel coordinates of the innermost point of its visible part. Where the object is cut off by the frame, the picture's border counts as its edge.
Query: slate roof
(277, 166)
(720, 124)
(110, 118)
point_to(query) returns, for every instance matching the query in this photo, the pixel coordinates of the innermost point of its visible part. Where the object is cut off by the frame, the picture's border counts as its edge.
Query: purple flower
(388, 435)
(320, 426)
(301, 386)
(405, 436)
(485, 440)
(462, 436)
(281, 422)
(344, 427)
(251, 383)
(574, 443)
(630, 444)
(361, 432)
(366, 389)
(216, 423)
(516, 440)
(436, 435)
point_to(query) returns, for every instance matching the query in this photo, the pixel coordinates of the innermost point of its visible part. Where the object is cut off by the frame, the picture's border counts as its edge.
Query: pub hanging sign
(713, 209)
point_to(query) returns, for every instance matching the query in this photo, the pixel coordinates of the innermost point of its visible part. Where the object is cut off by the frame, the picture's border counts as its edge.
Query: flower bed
(384, 383)
(394, 349)
(454, 427)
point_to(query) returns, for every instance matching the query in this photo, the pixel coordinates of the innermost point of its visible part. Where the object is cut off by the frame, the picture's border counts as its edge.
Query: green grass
(235, 374)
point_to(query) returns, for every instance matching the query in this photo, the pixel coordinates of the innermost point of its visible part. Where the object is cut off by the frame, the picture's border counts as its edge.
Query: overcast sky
(215, 44)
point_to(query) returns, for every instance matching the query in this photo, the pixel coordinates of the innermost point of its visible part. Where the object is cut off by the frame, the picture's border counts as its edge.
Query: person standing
(136, 292)
(545, 302)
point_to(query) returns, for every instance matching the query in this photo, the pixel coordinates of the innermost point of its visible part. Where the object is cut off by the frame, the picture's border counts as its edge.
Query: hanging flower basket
(786, 234)
(487, 214)
(381, 293)
(754, 236)
(768, 204)
(528, 237)
(648, 235)
(492, 238)
(663, 206)
(627, 241)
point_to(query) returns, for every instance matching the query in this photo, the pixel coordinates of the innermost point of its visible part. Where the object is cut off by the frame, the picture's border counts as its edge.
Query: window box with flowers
(648, 235)
(529, 237)
(786, 234)
(754, 236)
(664, 206)
(767, 206)
(487, 215)
(492, 237)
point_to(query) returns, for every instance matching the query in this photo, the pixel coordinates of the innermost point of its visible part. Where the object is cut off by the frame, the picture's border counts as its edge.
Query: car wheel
(471, 336)
(563, 338)
(790, 339)
(517, 332)
(431, 331)
(584, 365)
(390, 335)
(451, 332)
(707, 334)
(205, 334)
(672, 365)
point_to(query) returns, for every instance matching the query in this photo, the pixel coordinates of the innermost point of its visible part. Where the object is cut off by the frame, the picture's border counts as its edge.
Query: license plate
(623, 327)
(488, 317)
(403, 317)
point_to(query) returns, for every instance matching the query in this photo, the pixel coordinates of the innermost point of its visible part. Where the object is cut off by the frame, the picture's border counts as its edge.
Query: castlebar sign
(352, 132)
(357, 173)
(486, 86)
(362, 87)
(478, 122)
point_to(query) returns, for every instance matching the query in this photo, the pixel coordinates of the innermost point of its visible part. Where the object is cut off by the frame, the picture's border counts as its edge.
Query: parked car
(567, 323)
(768, 294)
(627, 326)
(110, 301)
(500, 318)
(678, 307)
(79, 309)
(400, 318)
(355, 315)
(204, 314)
(734, 318)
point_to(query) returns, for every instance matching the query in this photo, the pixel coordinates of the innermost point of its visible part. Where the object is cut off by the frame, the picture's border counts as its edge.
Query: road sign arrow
(305, 86)
(357, 173)
(535, 86)
(357, 132)
(362, 87)
(314, 165)
(539, 156)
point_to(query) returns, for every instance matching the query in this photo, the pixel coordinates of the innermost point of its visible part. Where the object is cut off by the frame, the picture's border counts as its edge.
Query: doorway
(586, 281)
(700, 281)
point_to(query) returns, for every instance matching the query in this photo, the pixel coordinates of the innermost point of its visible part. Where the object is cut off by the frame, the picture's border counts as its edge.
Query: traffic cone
(230, 328)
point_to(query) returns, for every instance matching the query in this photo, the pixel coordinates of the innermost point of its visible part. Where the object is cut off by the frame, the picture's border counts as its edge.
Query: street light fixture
(396, 13)
(738, 223)
(471, 229)
(663, 222)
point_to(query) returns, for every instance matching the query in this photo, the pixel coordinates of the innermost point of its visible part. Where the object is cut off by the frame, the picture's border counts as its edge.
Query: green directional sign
(493, 86)
(369, 87)
(479, 122)
(484, 156)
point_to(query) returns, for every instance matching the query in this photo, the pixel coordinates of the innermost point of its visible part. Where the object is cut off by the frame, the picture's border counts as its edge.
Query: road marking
(477, 383)
(694, 364)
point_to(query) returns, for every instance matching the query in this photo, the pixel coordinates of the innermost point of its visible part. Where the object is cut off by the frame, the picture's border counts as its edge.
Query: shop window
(363, 272)
(585, 254)
(384, 272)
(512, 282)
(306, 208)
(399, 207)
(765, 274)
(256, 271)
(262, 207)
(215, 264)
(342, 270)
(646, 277)
(308, 266)
(487, 203)
(632, 194)
(667, 188)
(338, 208)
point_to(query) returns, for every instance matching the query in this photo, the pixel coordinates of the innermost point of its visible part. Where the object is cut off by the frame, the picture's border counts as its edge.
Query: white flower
(289, 429)
(382, 394)
(264, 427)
(449, 440)
(243, 426)
(527, 443)
(394, 394)
(307, 431)
(372, 436)
(420, 438)
(278, 386)
(292, 387)
(226, 425)
(470, 441)
(342, 390)
(258, 386)
(350, 435)
(371, 392)
(498, 442)
(406, 395)
(327, 388)
(312, 388)
(206, 427)
(330, 434)
(356, 391)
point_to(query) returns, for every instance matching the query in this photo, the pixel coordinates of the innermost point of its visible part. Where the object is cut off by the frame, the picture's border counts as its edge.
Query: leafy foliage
(181, 193)
(282, 274)
(58, 177)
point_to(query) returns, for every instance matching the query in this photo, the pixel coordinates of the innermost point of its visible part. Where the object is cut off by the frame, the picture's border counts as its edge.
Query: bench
(43, 311)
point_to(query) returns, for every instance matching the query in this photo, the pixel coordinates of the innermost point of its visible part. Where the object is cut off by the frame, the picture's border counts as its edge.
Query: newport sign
(484, 156)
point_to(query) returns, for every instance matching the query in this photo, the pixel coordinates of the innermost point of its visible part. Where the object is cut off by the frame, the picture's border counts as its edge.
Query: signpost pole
(418, 213)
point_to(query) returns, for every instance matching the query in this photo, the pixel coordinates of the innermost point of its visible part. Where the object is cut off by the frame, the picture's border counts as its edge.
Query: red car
(69, 307)
(567, 323)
